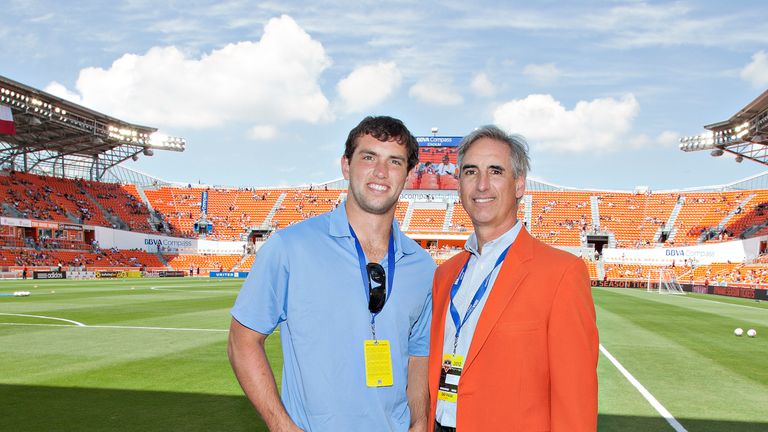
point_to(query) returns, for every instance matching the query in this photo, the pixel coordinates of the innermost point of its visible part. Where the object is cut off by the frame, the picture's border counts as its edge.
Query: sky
(266, 92)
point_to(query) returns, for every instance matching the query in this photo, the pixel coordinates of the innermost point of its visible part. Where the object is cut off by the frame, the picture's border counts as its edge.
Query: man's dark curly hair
(384, 128)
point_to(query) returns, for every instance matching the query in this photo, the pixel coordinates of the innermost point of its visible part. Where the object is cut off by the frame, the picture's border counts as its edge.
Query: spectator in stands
(537, 368)
(446, 167)
(307, 278)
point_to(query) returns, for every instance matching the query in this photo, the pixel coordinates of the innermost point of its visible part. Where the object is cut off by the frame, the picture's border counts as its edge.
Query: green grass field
(150, 355)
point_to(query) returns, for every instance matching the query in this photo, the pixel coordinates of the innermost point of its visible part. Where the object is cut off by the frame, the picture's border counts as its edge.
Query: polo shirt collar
(339, 227)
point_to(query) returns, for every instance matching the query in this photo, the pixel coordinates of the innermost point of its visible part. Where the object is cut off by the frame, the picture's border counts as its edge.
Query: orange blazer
(532, 362)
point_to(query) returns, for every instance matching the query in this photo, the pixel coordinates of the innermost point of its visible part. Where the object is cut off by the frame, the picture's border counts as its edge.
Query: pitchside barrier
(230, 275)
(49, 275)
(81, 275)
(110, 274)
(732, 291)
(171, 273)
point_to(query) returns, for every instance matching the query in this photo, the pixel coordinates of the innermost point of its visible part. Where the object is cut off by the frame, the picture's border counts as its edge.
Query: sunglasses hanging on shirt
(377, 287)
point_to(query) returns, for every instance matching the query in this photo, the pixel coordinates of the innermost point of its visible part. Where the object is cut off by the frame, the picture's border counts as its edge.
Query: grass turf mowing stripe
(689, 359)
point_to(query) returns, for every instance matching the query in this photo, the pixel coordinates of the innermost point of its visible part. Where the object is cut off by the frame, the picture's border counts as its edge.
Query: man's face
(487, 186)
(376, 174)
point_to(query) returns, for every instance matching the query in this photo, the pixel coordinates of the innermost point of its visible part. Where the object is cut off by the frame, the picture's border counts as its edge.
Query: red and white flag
(7, 127)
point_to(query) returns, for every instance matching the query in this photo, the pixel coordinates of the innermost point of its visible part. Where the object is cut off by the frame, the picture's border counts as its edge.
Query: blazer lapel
(443, 296)
(511, 275)
(440, 301)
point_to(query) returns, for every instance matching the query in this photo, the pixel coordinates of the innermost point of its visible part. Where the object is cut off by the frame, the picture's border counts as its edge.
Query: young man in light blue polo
(351, 294)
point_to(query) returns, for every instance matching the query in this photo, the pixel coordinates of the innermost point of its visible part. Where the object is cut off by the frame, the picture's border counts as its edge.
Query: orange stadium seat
(561, 218)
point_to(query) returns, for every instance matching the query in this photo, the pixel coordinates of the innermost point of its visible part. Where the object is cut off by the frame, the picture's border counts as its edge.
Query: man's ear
(345, 167)
(519, 187)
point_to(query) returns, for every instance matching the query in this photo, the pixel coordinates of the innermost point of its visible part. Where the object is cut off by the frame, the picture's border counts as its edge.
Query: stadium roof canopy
(59, 138)
(745, 134)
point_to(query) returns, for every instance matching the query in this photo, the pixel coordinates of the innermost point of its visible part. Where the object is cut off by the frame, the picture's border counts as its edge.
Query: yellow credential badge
(450, 374)
(378, 363)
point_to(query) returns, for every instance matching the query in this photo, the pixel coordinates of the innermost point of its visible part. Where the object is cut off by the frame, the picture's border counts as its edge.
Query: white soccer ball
(751, 333)
(739, 331)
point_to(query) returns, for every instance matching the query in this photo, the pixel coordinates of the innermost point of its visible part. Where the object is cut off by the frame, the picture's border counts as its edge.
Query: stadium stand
(431, 220)
(205, 263)
(302, 204)
(635, 218)
(561, 218)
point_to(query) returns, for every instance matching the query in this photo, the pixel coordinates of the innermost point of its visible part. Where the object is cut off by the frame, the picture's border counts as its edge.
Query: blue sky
(266, 92)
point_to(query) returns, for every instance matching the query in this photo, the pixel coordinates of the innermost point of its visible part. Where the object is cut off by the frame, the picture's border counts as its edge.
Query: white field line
(117, 327)
(178, 288)
(79, 324)
(643, 391)
(277, 331)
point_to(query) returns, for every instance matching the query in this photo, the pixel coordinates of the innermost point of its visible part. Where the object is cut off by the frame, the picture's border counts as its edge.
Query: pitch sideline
(643, 391)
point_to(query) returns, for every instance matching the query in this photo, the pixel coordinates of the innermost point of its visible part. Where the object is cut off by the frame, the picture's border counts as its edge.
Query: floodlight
(716, 152)
(739, 158)
(164, 142)
(148, 152)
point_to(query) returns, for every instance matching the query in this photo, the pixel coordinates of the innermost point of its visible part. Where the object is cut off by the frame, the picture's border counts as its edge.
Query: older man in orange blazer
(514, 343)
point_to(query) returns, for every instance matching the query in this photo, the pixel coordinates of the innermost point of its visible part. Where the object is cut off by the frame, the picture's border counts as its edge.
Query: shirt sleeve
(418, 342)
(262, 302)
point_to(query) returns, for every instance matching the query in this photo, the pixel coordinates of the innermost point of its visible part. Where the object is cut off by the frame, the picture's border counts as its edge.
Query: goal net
(665, 282)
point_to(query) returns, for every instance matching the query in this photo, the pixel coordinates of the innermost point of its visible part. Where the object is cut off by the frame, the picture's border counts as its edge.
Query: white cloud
(756, 72)
(262, 132)
(599, 124)
(57, 89)
(542, 73)
(435, 90)
(482, 85)
(368, 86)
(274, 80)
(668, 139)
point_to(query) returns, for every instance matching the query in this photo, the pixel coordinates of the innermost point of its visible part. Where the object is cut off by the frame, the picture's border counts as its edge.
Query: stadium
(116, 285)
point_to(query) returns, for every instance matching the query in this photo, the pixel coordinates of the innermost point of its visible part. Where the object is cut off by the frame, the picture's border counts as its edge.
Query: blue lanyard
(390, 266)
(475, 300)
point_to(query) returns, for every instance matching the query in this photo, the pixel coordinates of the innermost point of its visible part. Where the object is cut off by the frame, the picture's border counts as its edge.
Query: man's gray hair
(518, 148)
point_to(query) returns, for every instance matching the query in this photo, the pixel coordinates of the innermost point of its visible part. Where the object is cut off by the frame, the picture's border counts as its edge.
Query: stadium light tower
(434, 131)
(53, 136)
(744, 135)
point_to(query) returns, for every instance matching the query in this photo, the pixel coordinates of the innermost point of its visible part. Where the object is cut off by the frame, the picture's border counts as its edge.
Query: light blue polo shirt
(306, 278)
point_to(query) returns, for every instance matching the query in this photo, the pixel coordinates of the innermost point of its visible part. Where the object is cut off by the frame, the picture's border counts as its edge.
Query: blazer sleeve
(573, 350)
